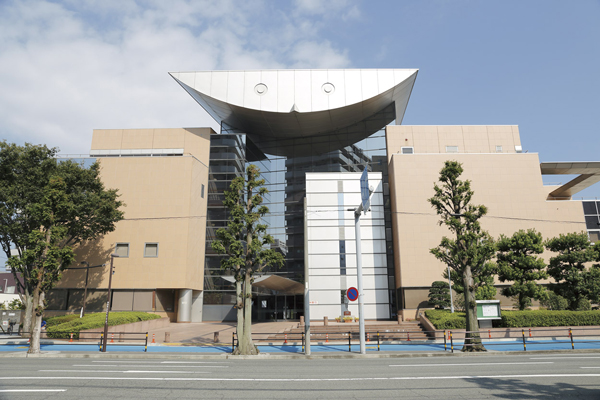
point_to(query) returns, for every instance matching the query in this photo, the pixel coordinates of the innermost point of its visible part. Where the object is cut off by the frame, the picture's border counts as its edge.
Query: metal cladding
(280, 109)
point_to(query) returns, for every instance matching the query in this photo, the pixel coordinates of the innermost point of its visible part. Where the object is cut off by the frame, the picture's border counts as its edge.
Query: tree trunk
(38, 308)
(28, 313)
(472, 338)
(246, 346)
(240, 311)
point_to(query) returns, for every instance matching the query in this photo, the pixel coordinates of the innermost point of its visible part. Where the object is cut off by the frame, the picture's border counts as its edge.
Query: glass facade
(230, 153)
(591, 211)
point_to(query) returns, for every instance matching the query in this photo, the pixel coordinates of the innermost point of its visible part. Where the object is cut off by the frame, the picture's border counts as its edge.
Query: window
(122, 250)
(151, 250)
(202, 191)
(498, 149)
(451, 149)
(408, 150)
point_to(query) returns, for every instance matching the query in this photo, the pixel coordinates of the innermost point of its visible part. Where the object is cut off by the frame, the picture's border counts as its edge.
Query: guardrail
(140, 339)
(508, 337)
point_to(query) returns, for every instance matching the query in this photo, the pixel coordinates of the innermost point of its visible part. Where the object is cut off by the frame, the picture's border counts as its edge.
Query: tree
(439, 294)
(483, 282)
(517, 262)
(246, 243)
(471, 249)
(47, 207)
(573, 281)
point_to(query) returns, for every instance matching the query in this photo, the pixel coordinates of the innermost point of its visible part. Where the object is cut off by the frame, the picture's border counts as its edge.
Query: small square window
(202, 191)
(408, 150)
(151, 250)
(122, 250)
(498, 149)
(451, 149)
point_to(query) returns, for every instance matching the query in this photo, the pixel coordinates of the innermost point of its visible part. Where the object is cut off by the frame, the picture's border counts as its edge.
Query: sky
(68, 67)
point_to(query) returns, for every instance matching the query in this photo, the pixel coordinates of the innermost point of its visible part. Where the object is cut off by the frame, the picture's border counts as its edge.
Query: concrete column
(184, 312)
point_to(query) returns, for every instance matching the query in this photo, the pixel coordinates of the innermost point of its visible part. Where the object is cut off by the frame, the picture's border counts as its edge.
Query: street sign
(364, 189)
(352, 293)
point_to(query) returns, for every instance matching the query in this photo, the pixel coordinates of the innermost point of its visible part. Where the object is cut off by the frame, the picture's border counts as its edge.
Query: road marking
(588, 367)
(151, 366)
(31, 390)
(162, 362)
(399, 378)
(550, 357)
(453, 365)
(125, 372)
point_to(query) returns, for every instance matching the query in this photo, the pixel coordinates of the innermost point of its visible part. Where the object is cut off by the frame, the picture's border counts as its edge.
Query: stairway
(392, 331)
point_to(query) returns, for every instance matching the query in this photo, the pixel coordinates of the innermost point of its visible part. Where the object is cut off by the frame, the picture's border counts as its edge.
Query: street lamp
(87, 272)
(112, 257)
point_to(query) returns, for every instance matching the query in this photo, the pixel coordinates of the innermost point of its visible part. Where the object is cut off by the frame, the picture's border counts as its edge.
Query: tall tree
(517, 262)
(46, 208)
(469, 252)
(573, 281)
(246, 243)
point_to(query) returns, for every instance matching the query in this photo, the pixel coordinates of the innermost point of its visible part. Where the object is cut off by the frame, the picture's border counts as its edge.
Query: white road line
(589, 367)
(194, 362)
(125, 372)
(31, 390)
(453, 365)
(278, 380)
(550, 358)
(150, 366)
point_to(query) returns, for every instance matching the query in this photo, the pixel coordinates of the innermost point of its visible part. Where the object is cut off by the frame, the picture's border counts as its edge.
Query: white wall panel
(302, 90)
(268, 101)
(235, 85)
(353, 86)
(338, 98)
(369, 83)
(325, 296)
(218, 85)
(324, 283)
(385, 80)
(251, 99)
(285, 90)
(320, 100)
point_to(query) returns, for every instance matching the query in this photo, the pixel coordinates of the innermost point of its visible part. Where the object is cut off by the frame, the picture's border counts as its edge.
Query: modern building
(312, 133)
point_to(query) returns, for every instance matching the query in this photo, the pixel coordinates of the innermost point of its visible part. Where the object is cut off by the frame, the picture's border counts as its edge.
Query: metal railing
(140, 339)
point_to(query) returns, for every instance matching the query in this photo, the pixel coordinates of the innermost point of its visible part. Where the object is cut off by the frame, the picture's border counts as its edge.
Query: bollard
(572, 343)
(70, 340)
(216, 337)
(350, 341)
(327, 338)
(232, 341)
(146, 344)
(153, 338)
(285, 338)
(121, 338)
(112, 337)
(524, 345)
(451, 341)
(167, 337)
(101, 340)
(368, 337)
(408, 336)
(377, 340)
(303, 342)
(445, 340)
(529, 332)
(489, 334)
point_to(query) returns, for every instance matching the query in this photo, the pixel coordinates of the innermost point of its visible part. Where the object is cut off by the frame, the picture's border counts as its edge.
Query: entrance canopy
(274, 282)
(273, 106)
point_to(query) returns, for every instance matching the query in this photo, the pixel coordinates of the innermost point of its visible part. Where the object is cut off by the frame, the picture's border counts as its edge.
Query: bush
(555, 302)
(60, 320)
(73, 324)
(544, 318)
(444, 319)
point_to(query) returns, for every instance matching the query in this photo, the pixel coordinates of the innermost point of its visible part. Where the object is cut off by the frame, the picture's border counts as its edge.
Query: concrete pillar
(184, 311)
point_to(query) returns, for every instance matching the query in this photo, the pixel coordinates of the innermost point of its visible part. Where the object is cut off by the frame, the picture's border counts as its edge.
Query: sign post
(365, 193)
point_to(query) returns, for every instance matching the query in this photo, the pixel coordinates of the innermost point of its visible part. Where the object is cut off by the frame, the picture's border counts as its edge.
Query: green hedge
(92, 321)
(543, 318)
(444, 319)
(60, 320)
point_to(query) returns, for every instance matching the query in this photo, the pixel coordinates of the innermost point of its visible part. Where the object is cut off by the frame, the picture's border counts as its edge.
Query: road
(528, 376)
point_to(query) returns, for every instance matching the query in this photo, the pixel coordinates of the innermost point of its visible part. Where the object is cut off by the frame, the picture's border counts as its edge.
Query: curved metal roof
(282, 105)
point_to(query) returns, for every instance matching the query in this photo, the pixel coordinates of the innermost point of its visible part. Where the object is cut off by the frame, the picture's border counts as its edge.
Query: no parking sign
(352, 293)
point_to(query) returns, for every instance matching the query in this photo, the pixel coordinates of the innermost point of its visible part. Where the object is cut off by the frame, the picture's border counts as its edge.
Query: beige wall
(508, 183)
(163, 205)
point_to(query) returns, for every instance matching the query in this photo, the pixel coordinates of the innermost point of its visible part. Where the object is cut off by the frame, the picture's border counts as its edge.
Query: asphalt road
(527, 376)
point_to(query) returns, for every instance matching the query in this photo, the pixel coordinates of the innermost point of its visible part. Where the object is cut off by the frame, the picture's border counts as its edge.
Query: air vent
(408, 150)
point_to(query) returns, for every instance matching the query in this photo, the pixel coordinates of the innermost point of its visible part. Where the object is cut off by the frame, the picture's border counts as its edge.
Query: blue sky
(68, 67)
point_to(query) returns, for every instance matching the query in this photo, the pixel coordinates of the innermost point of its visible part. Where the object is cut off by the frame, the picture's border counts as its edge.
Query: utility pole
(306, 292)
(112, 257)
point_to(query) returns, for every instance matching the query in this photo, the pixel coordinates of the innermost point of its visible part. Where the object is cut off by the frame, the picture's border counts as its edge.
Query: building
(312, 133)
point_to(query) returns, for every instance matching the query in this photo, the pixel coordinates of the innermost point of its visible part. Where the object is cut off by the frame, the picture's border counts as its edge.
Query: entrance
(277, 307)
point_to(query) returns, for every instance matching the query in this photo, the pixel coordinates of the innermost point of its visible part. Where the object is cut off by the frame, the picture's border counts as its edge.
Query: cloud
(67, 67)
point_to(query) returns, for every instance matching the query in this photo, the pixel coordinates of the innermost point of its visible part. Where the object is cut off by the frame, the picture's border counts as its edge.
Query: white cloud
(69, 67)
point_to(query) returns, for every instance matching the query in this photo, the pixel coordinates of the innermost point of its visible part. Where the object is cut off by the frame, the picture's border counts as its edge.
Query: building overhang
(589, 173)
(279, 109)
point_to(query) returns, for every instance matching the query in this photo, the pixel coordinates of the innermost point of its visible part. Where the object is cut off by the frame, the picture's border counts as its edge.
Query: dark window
(592, 222)
(589, 208)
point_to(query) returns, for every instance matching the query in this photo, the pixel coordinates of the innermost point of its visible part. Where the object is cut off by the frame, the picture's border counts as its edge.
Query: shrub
(555, 302)
(543, 318)
(75, 324)
(444, 319)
